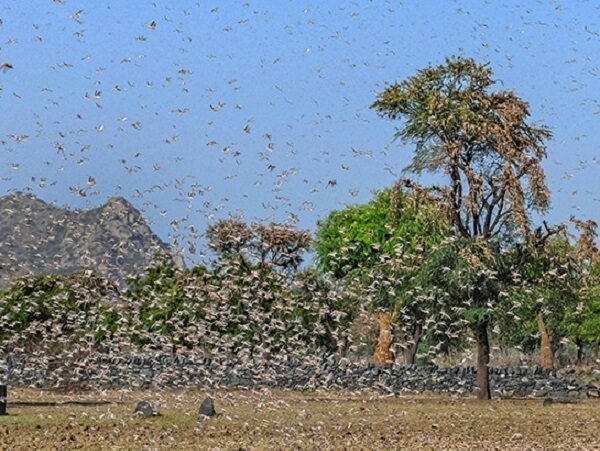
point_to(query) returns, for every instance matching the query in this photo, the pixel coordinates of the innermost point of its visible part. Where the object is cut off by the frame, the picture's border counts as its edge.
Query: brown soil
(280, 419)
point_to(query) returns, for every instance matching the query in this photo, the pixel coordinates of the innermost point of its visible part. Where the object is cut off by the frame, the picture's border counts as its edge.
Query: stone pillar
(3, 396)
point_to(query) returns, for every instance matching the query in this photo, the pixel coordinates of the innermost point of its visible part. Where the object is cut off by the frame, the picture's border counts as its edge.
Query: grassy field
(280, 419)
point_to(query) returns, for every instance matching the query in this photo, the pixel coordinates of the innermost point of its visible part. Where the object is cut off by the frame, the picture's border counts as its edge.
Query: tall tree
(373, 246)
(551, 280)
(583, 320)
(480, 139)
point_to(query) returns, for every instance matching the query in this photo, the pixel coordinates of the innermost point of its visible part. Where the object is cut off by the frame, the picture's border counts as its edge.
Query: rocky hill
(35, 237)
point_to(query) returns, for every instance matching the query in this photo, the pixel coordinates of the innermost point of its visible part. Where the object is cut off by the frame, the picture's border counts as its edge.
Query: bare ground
(275, 419)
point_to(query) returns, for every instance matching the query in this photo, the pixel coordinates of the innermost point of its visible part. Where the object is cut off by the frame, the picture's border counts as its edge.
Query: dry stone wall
(331, 372)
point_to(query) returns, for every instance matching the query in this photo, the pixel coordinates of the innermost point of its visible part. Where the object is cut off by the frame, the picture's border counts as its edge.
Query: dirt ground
(278, 419)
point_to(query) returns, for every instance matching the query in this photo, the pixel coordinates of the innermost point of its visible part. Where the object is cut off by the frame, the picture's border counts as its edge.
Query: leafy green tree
(481, 141)
(356, 237)
(557, 286)
(582, 320)
(374, 246)
(397, 221)
(535, 310)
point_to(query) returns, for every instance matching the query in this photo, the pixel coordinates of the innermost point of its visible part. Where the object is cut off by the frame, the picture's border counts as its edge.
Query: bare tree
(275, 244)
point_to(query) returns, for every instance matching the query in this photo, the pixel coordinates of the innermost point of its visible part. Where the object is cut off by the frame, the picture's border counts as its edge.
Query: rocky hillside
(36, 237)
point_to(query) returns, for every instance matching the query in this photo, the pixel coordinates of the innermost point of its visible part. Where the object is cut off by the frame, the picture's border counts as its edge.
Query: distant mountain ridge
(36, 237)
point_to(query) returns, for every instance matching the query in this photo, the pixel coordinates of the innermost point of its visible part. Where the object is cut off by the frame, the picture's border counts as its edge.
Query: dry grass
(280, 419)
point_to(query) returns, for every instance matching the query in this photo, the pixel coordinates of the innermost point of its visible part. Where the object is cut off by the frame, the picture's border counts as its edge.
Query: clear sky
(194, 110)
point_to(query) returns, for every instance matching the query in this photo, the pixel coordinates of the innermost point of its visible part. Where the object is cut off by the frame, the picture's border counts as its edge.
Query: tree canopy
(481, 141)
(398, 220)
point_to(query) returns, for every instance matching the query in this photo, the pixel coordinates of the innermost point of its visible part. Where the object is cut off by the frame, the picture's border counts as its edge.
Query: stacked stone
(330, 372)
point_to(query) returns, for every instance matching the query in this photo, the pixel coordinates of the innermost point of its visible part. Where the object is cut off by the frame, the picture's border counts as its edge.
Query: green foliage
(396, 222)
(161, 297)
(551, 279)
(465, 277)
(582, 320)
(234, 306)
(32, 305)
(376, 250)
(356, 237)
(332, 312)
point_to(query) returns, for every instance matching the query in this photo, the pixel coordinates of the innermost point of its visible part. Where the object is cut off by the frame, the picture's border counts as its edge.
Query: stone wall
(331, 372)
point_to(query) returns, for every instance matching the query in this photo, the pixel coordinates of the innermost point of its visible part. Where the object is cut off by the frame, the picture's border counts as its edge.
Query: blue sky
(252, 108)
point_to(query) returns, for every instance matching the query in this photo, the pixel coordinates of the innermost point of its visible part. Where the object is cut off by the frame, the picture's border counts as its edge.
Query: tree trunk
(483, 361)
(580, 351)
(411, 344)
(546, 351)
(383, 352)
(409, 354)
